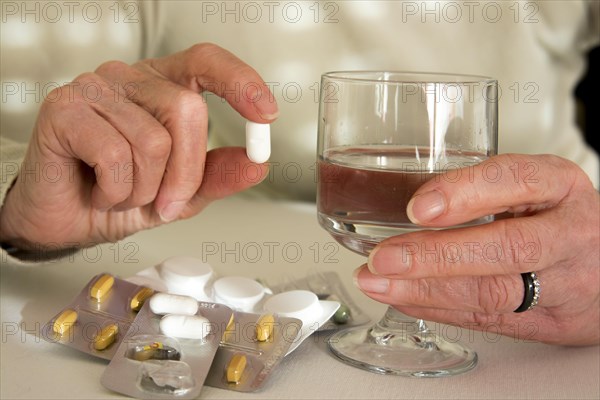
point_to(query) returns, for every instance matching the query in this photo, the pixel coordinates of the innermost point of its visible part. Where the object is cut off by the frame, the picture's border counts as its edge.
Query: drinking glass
(381, 136)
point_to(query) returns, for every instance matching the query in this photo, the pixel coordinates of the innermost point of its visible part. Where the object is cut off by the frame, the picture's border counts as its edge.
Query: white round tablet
(238, 292)
(186, 276)
(300, 304)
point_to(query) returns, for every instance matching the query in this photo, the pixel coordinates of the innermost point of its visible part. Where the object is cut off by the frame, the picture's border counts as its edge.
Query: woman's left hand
(471, 277)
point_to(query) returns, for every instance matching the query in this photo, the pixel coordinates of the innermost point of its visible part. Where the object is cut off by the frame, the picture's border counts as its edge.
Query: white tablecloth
(279, 242)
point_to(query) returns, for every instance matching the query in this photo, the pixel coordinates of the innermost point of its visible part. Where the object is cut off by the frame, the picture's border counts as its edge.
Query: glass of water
(381, 136)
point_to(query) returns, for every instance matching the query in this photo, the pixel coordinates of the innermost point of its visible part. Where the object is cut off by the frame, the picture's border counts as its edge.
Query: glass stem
(394, 320)
(395, 327)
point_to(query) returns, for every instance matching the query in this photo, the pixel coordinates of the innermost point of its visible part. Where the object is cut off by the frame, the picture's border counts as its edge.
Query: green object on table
(342, 315)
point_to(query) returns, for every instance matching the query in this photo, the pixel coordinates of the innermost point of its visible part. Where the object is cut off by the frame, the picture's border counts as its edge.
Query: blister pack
(165, 341)
(327, 285)
(100, 317)
(251, 347)
(192, 277)
(172, 350)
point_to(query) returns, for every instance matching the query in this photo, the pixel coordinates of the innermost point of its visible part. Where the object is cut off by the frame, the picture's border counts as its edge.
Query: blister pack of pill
(169, 356)
(248, 295)
(192, 277)
(168, 343)
(250, 349)
(100, 317)
(327, 285)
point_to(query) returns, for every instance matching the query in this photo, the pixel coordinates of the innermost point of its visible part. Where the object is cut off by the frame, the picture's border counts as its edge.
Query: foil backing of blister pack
(327, 285)
(93, 315)
(261, 356)
(157, 378)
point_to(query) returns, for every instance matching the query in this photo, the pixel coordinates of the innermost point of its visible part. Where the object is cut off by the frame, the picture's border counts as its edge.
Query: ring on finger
(531, 297)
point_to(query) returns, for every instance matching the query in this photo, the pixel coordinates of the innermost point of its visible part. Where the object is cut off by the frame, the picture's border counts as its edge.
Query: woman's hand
(124, 149)
(470, 276)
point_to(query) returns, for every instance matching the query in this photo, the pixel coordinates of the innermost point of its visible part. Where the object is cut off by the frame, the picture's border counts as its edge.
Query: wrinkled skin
(470, 277)
(124, 149)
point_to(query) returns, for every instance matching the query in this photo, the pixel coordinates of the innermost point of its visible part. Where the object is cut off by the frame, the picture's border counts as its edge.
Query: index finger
(208, 67)
(555, 194)
(509, 246)
(506, 183)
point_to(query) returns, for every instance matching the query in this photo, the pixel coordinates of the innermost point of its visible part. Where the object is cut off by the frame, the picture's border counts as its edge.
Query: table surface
(279, 242)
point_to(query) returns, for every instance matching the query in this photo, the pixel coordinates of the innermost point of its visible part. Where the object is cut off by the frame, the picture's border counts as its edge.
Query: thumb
(227, 171)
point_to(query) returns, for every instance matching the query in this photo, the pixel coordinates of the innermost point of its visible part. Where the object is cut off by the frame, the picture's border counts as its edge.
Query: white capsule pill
(165, 303)
(258, 142)
(185, 326)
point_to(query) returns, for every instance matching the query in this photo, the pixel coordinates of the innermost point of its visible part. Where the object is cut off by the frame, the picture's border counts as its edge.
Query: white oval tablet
(186, 276)
(185, 326)
(300, 304)
(166, 303)
(238, 292)
(258, 141)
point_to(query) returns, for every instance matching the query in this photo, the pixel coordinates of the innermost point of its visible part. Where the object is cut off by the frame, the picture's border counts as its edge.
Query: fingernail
(426, 206)
(268, 117)
(264, 103)
(171, 211)
(370, 283)
(389, 260)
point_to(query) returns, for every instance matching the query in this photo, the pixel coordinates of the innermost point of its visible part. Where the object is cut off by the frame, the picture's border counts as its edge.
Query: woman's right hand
(124, 149)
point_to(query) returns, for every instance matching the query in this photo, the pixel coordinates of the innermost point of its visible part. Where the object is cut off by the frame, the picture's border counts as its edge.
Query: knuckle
(535, 176)
(420, 292)
(204, 50)
(589, 233)
(87, 78)
(446, 259)
(57, 98)
(518, 171)
(493, 294)
(188, 104)
(86, 88)
(561, 163)
(64, 99)
(573, 172)
(116, 152)
(515, 239)
(156, 145)
(55, 95)
(111, 68)
(484, 321)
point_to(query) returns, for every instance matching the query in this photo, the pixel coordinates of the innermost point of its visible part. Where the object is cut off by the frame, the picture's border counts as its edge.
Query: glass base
(362, 236)
(400, 345)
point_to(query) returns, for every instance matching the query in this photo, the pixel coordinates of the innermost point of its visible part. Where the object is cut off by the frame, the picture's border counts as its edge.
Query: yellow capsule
(140, 297)
(143, 353)
(235, 368)
(229, 329)
(106, 337)
(229, 324)
(102, 286)
(264, 327)
(64, 321)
